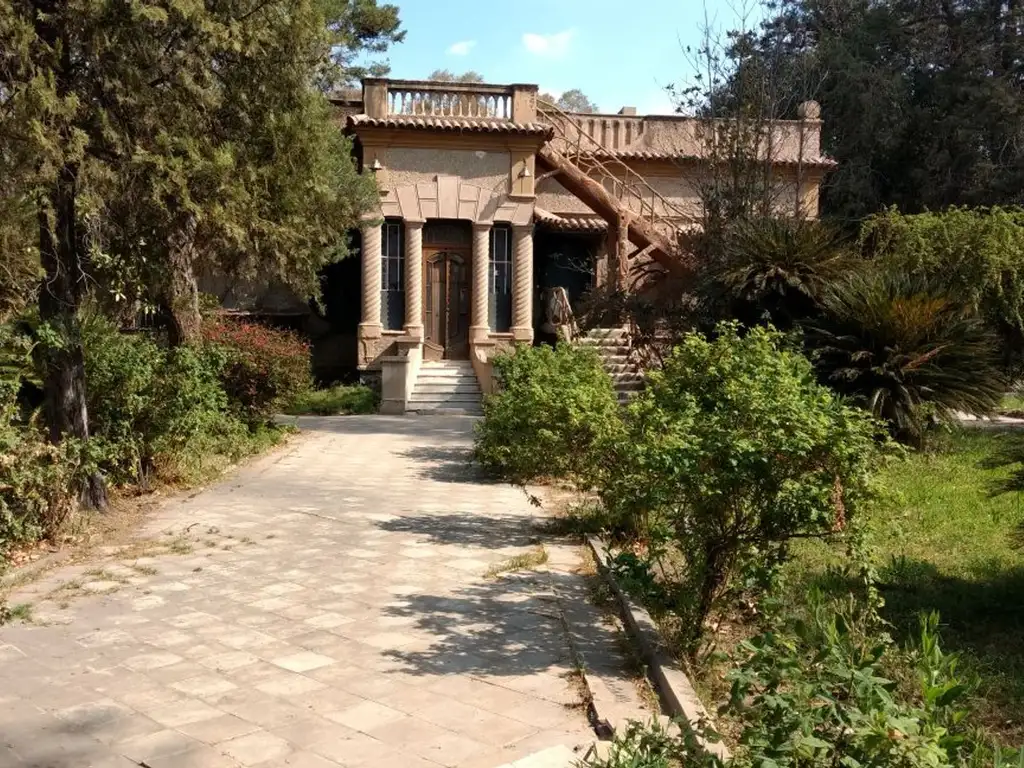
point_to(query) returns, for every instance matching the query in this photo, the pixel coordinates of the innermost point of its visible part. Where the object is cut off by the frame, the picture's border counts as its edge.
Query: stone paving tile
(326, 606)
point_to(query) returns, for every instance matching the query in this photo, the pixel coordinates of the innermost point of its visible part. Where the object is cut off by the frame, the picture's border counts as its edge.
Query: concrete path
(327, 606)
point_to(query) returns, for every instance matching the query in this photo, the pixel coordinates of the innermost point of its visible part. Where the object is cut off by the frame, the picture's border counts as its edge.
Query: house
(489, 201)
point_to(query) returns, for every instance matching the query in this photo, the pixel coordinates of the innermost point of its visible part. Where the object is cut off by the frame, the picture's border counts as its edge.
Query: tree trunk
(61, 255)
(182, 295)
(60, 298)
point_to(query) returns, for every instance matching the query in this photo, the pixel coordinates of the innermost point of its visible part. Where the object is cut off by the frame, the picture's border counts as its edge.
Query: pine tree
(156, 137)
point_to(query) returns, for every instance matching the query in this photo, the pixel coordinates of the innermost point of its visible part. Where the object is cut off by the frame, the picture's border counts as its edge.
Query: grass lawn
(947, 544)
(340, 399)
(1012, 403)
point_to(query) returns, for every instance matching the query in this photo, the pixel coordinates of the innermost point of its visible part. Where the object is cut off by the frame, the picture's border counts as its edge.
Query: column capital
(523, 229)
(414, 223)
(482, 226)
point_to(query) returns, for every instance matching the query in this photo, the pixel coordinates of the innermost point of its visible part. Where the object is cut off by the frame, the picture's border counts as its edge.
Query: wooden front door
(446, 305)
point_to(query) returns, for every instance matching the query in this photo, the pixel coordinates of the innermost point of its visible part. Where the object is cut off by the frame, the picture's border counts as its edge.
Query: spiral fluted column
(522, 282)
(479, 325)
(414, 278)
(370, 325)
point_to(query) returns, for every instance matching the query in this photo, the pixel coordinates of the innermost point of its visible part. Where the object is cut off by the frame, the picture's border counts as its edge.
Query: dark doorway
(561, 260)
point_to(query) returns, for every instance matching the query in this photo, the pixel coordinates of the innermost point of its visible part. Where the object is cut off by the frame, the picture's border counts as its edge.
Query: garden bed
(946, 543)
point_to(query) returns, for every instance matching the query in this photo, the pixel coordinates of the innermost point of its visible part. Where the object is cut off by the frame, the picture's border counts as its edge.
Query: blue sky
(619, 52)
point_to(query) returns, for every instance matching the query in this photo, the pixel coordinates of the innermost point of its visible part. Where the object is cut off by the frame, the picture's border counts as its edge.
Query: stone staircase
(446, 387)
(613, 189)
(613, 346)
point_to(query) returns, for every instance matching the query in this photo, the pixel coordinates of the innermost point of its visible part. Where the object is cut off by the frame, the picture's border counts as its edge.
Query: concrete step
(442, 379)
(443, 411)
(429, 387)
(432, 371)
(445, 397)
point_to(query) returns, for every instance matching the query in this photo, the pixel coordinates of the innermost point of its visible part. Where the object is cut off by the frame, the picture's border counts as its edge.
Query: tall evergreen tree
(922, 100)
(154, 137)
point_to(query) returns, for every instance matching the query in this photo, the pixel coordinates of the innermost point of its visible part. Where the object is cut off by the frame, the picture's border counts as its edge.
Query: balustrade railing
(450, 100)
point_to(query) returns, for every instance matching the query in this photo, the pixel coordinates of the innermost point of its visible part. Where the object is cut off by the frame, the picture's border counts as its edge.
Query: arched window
(500, 288)
(392, 275)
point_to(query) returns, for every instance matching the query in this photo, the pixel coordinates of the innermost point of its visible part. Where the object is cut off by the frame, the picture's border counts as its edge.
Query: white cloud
(461, 48)
(551, 46)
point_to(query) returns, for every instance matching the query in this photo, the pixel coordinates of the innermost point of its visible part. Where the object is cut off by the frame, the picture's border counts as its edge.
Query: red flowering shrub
(264, 367)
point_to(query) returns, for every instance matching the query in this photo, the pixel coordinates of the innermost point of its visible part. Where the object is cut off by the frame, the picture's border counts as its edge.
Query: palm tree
(776, 270)
(904, 349)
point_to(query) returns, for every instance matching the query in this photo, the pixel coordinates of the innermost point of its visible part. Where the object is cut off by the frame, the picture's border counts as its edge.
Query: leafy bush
(265, 368)
(816, 692)
(339, 399)
(903, 349)
(553, 408)
(976, 255)
(36, 478)
(146, 401)
(776, 270)
(733, 450)
(640, 745)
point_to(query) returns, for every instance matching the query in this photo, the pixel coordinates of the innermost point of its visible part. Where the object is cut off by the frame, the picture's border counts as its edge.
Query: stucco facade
(448, 262)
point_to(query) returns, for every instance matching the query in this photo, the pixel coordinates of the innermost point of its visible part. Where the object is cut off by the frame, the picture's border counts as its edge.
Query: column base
(414, 331)
(522, 335)
(479, 333)
(370, 330)
(371, 344)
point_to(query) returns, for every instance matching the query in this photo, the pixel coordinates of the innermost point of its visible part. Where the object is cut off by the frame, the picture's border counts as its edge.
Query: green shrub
(339, 399)
(553, 408)
(904, 350)
(265, 368)
(816, 692)
(36, 478)
(640, 745)
(148, 403)
(733, 450)
(975, 255)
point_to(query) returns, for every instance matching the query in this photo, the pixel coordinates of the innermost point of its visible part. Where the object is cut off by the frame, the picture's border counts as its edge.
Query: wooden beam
(640, 232)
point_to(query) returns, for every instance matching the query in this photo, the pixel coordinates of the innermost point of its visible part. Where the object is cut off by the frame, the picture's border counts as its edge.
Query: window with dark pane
(392, 275)
(501, 279)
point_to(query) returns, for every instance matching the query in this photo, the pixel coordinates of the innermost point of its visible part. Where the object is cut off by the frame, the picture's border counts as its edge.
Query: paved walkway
(325, 606)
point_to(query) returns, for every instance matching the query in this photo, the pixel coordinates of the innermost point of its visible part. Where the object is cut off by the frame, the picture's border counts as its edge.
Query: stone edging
(673, 686)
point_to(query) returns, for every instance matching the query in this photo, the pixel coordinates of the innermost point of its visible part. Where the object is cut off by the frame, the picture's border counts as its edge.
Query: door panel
(446, 304)
(458, 310)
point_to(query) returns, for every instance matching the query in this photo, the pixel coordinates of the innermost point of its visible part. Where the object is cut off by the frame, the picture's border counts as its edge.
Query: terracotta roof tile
(569, 223)
(452, 124)
(662, 154)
